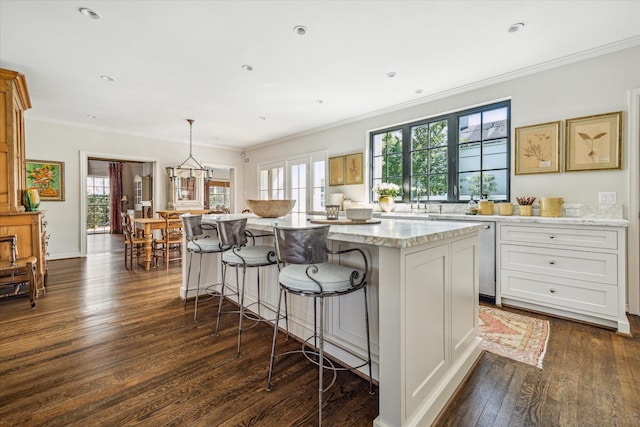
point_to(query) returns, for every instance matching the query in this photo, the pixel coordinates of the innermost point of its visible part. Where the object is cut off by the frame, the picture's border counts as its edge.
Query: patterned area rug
(515, 336)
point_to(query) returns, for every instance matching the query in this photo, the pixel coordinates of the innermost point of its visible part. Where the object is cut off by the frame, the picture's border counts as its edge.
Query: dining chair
(132, 242)
(16, 272)
(169, 245)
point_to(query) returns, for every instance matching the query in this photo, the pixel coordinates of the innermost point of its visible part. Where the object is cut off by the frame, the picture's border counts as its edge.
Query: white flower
(387, 189)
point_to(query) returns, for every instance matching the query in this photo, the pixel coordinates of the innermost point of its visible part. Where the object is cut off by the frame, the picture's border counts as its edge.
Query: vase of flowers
(387, 193)
(525, 205)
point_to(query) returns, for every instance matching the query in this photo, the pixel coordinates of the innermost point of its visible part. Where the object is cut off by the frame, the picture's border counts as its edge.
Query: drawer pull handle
(552, 262)
(553, 291)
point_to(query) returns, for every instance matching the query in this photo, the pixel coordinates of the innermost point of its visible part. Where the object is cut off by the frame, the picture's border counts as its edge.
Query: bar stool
(235, 237)
(306, 272)
(199, 243)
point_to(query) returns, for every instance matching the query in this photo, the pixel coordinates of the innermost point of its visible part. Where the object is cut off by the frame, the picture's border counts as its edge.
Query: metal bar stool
(235, 237)
(199, 243)
(306, 272)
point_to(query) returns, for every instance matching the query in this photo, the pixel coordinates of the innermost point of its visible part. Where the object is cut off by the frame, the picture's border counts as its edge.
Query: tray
(344, 221)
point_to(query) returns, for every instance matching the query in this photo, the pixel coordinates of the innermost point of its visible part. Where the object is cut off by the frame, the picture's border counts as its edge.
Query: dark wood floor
(107, 346)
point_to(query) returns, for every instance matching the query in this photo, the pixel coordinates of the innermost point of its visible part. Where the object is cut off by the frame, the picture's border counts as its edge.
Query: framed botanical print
(353, 168)
(537, 148)
(336, 170)
(594, 142)
(48, 177)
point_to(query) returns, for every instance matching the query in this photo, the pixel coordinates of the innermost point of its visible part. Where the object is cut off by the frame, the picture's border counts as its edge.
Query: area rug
(513, 335)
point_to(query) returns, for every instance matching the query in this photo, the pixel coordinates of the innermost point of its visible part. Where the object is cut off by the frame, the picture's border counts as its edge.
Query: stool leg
(224, 280)
(286, 316)
(195, 310)
(186, 290)
(241, 300)
(275, 335)
(321, 360)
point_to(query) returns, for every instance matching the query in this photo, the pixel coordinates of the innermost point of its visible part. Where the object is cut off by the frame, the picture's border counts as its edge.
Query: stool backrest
(232, 232)
(192, 225)
(301, 245)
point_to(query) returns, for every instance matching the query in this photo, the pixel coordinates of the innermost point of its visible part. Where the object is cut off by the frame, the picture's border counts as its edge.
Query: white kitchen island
(423, 290)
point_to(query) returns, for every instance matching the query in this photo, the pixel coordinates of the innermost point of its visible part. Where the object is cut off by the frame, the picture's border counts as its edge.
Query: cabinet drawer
(589, 266)
(578, 237)
(565, 294)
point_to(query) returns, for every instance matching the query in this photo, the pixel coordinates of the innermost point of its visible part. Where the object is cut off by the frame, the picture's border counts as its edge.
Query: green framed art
(48, 177)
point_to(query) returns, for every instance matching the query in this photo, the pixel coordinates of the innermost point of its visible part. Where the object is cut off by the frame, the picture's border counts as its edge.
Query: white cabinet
(572, 271)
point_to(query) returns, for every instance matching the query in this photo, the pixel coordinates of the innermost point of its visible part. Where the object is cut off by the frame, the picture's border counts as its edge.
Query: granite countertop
(397, 233)
(610, 222)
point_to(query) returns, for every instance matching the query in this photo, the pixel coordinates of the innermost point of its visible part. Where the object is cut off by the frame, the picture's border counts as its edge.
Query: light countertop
(398, 233)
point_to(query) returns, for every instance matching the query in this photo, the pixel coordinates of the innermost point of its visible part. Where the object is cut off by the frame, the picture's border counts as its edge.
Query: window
(98, 204)
(302, 179)
(219, 194)
(450, 158)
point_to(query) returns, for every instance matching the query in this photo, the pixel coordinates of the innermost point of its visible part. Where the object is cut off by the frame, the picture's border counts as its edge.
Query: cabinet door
(464, 294)
(426, 343)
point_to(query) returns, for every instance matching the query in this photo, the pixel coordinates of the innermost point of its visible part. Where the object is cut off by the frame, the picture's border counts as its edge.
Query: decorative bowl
(359, 214)
(271, 208)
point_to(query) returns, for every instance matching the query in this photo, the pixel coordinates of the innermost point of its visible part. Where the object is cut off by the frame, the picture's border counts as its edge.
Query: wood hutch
(28, 226)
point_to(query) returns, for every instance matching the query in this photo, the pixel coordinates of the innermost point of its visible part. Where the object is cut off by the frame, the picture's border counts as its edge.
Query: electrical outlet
(607, 197)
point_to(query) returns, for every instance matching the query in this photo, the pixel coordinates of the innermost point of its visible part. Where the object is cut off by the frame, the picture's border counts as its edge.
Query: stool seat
(322, 279)
(251, 256)
(204, 245)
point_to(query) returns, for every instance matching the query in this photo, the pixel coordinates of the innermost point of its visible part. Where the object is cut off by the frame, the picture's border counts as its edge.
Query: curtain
(115, 191)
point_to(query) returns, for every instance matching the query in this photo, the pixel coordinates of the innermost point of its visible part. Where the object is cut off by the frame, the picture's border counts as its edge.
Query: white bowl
(359, 214)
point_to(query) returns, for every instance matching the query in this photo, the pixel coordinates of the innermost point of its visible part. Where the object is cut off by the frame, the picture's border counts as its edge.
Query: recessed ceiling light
(247, 67)
(107, 78)
(419, 91)
(89, 13)
(300, 30)
(319, 101)
(515, 27)
(91, 116)
(391, 74)
(262, 118)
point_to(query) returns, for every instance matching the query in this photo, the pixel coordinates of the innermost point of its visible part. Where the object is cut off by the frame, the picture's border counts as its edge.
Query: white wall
(592, 86)
(52, 141)
(598, 85)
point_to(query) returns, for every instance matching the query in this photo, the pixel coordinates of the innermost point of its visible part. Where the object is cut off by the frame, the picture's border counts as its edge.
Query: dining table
(147, 225)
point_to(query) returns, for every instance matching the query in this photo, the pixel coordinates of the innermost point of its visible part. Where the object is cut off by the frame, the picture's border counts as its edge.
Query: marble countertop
(610, 222)
(398, 233)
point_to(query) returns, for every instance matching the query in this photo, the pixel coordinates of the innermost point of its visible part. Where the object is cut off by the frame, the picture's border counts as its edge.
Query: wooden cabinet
(577, 272)
(30, 227)
(14, 100)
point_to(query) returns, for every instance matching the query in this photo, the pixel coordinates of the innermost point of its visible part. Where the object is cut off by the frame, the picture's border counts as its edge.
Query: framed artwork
(47, 177)
(336, 170)
(353, 166)
(594, 142)
(538, 148)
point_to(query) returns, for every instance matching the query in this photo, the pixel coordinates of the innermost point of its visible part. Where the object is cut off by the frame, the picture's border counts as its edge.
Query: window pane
(438, 134)
(469, 185)
(469, 157)
(438, 187)
(469, 128)
(392, 142)
(377, 144)
(419, 164)
(419, 137)
(494, 154)
(494, 184)
(438, 160)
(494, 123)
(393, 166)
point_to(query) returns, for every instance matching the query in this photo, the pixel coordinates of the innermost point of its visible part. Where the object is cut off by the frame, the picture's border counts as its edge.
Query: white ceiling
(173, 60)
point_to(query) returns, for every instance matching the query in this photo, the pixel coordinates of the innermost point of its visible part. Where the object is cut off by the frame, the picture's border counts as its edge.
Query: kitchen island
(423, 290)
